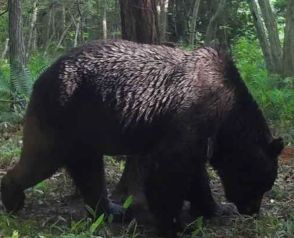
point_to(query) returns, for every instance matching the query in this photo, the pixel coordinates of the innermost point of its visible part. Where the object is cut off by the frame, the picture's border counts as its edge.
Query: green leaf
(15, 234)
(97, 224)
(128, 202)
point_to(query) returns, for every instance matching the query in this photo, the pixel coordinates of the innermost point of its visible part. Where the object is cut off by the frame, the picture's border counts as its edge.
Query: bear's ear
(276, 146)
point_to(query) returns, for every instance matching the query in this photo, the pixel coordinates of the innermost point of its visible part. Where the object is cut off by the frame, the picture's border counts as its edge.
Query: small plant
(15, 234)
(196, 228)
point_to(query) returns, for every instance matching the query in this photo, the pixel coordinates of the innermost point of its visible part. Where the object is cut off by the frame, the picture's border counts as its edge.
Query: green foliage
(15, 234)
(3, 29)
(128, 202)
(196, 228)
(97, 224)
(18, 86)
(37, 64)
(274, 94)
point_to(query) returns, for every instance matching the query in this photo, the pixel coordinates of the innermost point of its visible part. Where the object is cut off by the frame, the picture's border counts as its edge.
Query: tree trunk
(288, 59)
(213, 33)
(163, 19)
(273, 34)
(16, 46)
(171, 25)
(32, 34)
(49, 27)
(181, 21)
(194, 22)
(77, 32)
(261, 35)
(6, 48)
(104, 21)
(140, 24)
(139, 21)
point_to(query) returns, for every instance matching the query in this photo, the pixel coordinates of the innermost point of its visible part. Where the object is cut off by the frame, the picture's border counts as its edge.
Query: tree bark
(181, 21)
(16, 46)
(288, 59)
(32, 35)
(261, 35)
(104, 20)
(273, 35)
(171, 25)
(77, 32)
(139, 21)
(49, 24)
(163, 19)
(140, 24)
(6, 48)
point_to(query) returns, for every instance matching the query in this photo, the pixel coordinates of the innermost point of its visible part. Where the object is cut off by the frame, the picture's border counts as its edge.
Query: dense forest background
(258, 33)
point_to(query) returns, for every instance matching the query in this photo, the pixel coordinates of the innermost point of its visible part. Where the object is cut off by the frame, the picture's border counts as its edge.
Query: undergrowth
(274, 94)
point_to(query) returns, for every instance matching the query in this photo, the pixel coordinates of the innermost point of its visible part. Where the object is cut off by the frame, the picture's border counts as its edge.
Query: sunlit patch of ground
(54, 209)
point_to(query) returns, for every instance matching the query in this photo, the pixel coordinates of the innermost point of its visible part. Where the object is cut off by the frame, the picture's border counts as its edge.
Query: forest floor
(53, 210)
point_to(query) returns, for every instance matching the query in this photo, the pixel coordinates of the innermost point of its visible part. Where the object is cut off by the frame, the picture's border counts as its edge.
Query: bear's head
(247, 174)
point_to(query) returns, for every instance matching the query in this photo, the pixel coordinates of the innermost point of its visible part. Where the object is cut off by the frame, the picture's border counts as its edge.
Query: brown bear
(154, 102)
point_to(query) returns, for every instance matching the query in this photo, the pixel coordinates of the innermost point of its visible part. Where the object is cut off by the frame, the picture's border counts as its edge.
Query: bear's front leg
(86, 167)
(199, 194)
(202, 201)
(165, 189)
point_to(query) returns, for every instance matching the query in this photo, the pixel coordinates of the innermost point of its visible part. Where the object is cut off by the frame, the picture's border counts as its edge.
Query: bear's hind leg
(28, 172)
(40, 158)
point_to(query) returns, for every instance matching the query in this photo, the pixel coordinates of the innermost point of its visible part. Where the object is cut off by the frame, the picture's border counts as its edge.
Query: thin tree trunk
(32, 33)
(214, 23)
(53, 19)
(6, 48)
(273, 34)
(77, 32)
(288, 59)
(63, 20)
(261, 35)
(104, 20)
(194, 22)
(181, 23)
(16, 45)
(163, 19)
(49, 27)
(171, 25)
(80, 23)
